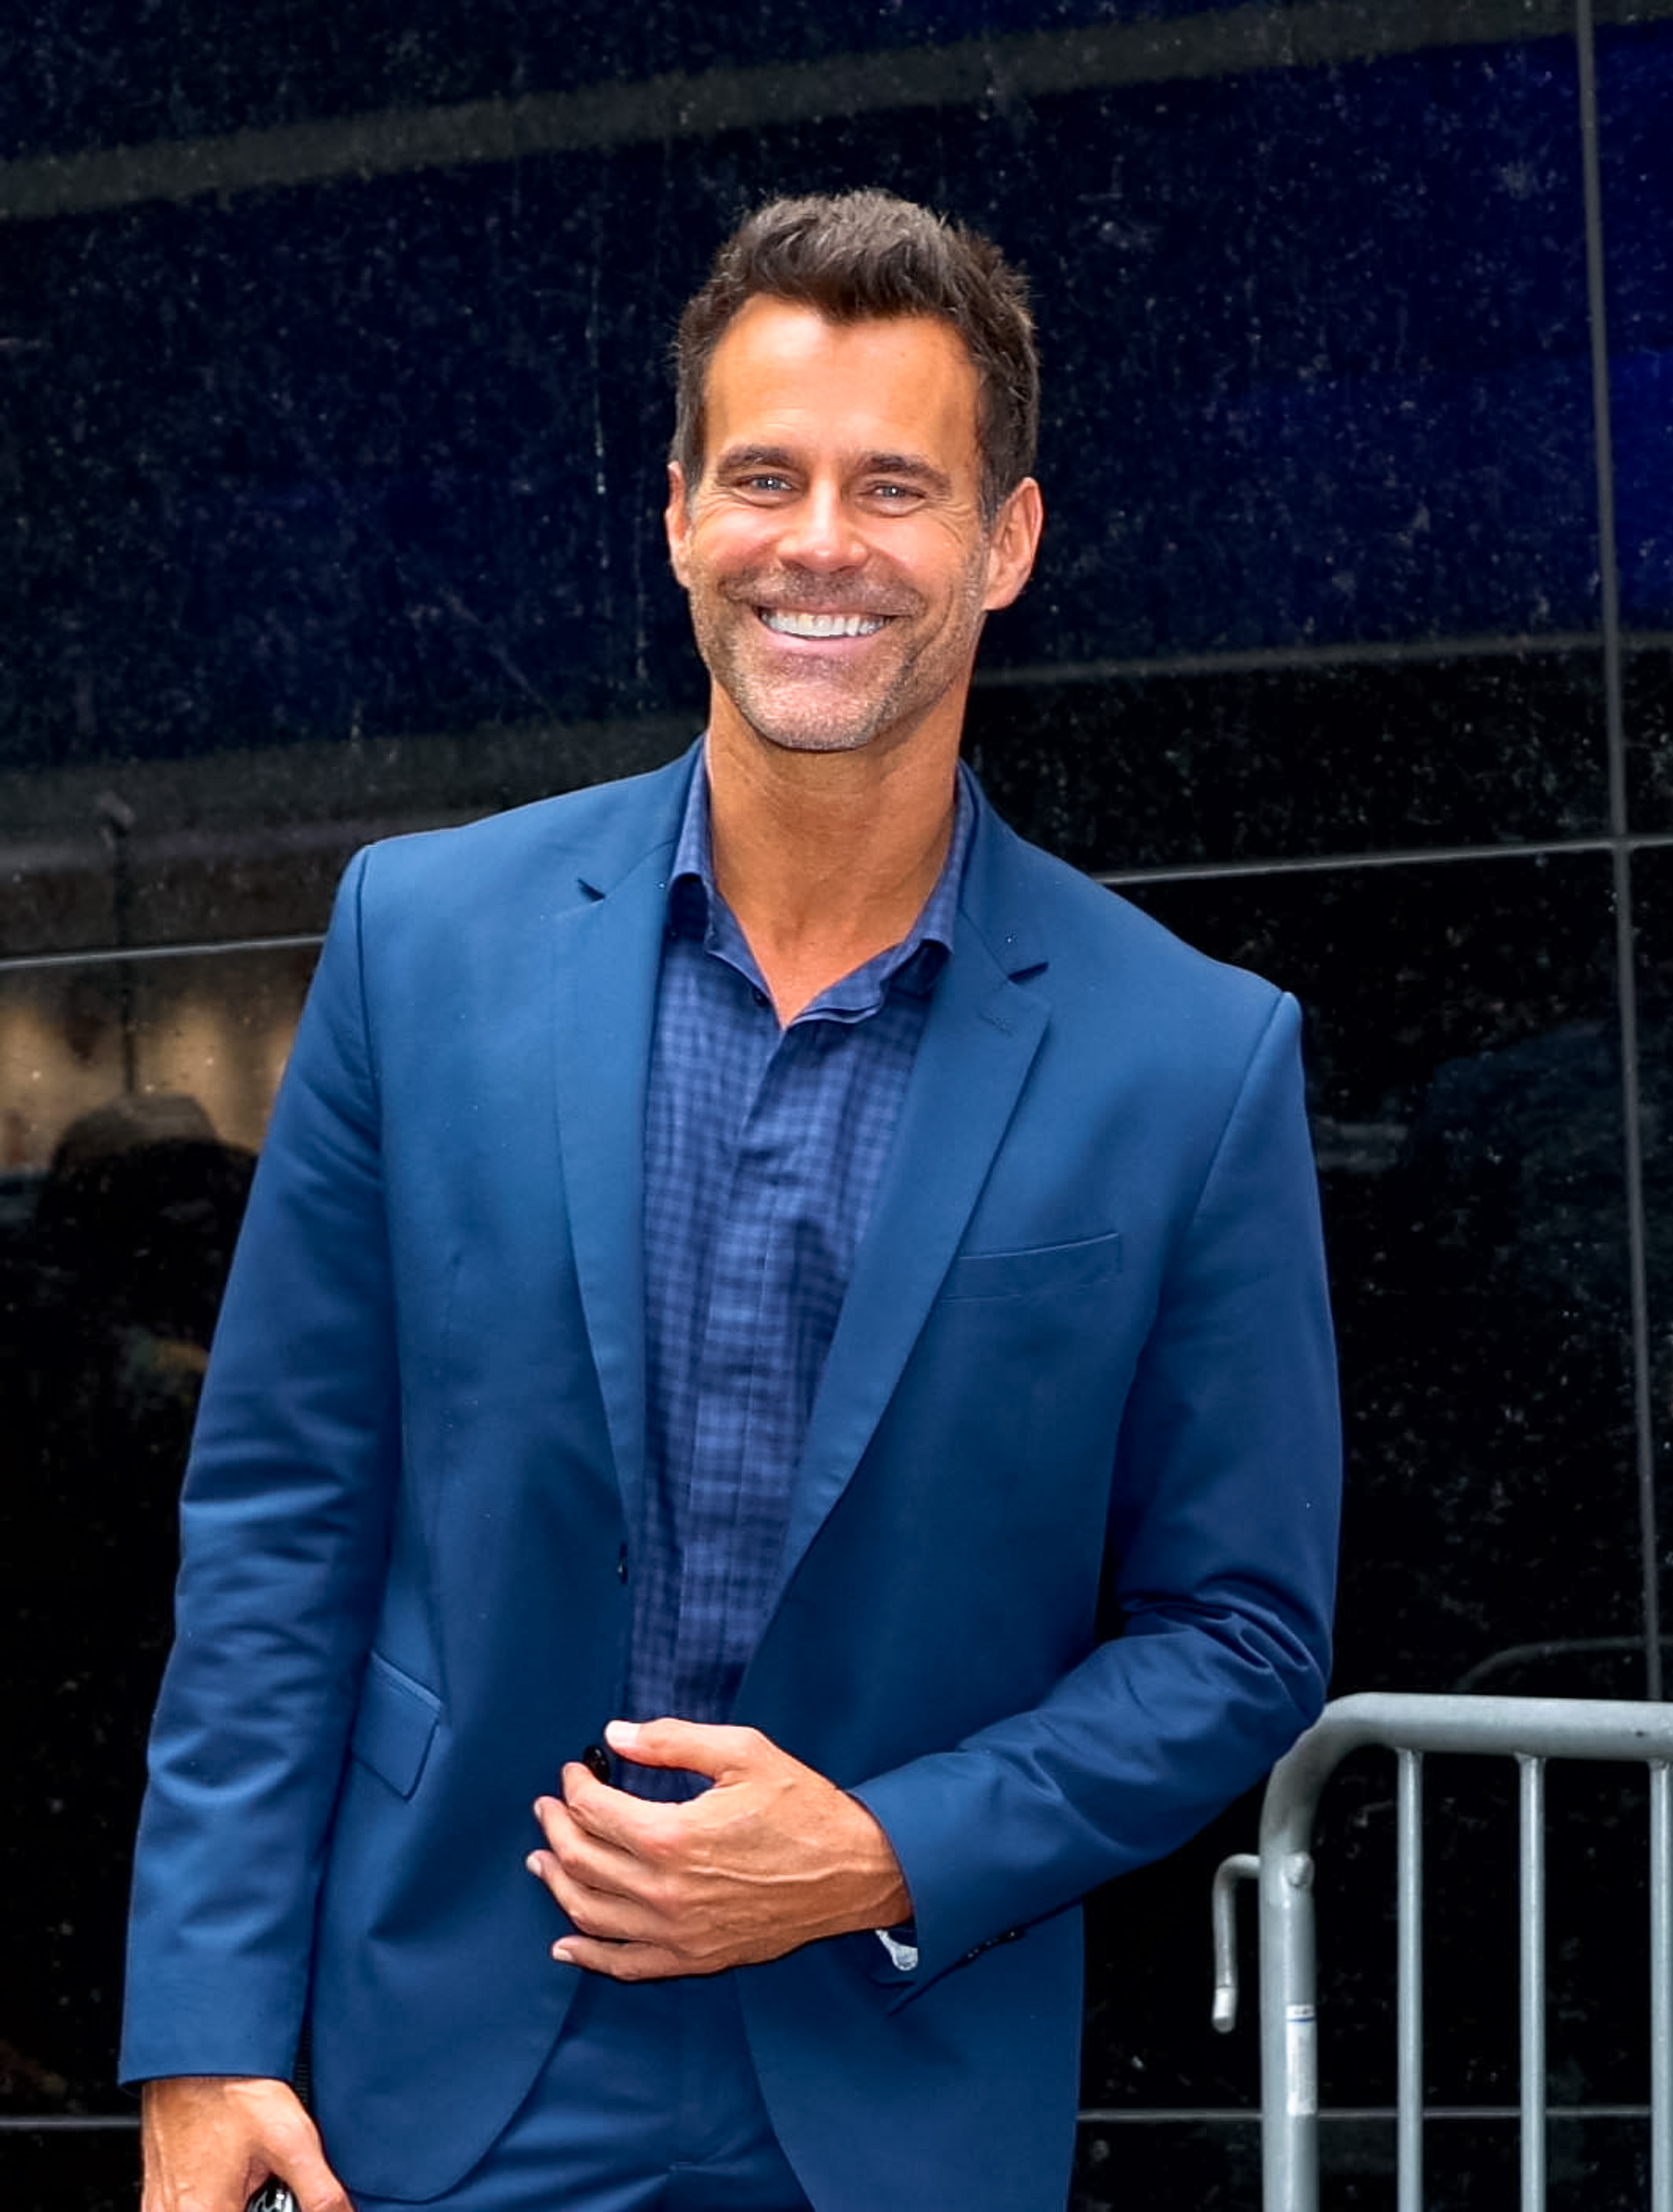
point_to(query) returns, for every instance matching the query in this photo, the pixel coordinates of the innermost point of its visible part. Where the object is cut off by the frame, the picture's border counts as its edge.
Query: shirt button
(596, 1761)
(621, 1565)
(758, 995)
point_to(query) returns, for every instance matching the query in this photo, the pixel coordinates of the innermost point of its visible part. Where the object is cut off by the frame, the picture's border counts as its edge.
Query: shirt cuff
(901, 1954)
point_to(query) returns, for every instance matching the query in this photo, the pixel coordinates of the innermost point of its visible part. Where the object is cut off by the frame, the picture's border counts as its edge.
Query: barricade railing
(1529, 1730)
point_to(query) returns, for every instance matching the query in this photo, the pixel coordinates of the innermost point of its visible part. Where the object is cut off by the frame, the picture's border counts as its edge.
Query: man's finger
(608, 1892)
(298, 2157)
(612, 1920)
(714, 1749)
(610, 1827)
(316, 2188)
(624, 1962)
(618, 1914)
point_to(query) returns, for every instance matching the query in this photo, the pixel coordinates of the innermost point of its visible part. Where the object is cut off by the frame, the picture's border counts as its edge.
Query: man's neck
(827, 859)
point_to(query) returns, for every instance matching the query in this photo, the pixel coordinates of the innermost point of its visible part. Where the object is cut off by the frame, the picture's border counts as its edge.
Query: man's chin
(807, 726)
(826, 739)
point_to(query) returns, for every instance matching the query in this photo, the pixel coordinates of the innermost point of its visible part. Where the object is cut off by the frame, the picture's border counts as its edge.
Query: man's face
(833, 550)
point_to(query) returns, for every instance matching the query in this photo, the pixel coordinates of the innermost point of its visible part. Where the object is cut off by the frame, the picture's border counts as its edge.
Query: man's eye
(761, 482)
(893, 495)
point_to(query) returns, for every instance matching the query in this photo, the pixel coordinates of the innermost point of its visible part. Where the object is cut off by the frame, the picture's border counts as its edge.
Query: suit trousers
(649, 2103)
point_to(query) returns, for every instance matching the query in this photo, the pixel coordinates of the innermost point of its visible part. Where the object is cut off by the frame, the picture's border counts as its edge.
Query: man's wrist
(891, 1905)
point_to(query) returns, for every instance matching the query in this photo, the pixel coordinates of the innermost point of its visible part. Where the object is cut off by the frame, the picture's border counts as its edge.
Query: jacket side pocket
(394, 1725)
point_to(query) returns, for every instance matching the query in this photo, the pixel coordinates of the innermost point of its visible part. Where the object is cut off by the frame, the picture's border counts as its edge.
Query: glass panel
(118, 1207)
(1464, 1086)
(1165, 769)
(1635, 85)
(1652, 911)
(380, 462)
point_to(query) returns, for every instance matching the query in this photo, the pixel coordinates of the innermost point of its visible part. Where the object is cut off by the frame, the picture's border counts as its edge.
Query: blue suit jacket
(1083, 1383)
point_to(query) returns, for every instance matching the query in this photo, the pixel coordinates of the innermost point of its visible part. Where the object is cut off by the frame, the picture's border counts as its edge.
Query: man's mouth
(788, 622)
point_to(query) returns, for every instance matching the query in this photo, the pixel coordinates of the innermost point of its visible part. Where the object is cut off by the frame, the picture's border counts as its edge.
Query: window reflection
(118, 1210)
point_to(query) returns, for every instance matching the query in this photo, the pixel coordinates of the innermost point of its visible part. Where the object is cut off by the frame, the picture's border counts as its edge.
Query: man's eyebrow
(756, 456)
(908, 465)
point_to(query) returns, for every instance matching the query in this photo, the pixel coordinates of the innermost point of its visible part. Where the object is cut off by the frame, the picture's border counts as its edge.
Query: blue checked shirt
(763, 1151)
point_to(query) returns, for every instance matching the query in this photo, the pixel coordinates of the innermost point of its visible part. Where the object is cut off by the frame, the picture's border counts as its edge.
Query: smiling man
(774, 1421)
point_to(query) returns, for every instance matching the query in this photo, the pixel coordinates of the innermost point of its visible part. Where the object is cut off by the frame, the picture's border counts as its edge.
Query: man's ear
(677, 520)
(1013, 544)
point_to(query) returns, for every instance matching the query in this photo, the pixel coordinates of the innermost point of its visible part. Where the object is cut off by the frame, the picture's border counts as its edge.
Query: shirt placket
(748, 1393)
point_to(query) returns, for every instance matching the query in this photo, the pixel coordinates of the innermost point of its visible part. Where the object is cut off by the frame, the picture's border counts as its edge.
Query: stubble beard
(814, 715)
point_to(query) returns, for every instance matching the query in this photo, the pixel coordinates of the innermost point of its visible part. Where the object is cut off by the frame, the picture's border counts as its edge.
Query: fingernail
(623, 1734)
(564, 1958)
(533, 1862)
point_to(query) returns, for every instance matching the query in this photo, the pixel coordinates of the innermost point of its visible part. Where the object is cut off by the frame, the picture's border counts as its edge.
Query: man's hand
(211, 2141)
(772, 1857)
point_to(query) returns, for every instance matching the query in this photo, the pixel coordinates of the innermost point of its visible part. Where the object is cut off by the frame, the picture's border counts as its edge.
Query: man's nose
(819, 532)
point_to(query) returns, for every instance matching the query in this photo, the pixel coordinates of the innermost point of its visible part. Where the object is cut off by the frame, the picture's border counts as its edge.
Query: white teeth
(790, 625)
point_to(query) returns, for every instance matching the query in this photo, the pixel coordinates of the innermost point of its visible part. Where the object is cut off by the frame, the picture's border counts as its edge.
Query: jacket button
(596, 1761)
(621, 1565)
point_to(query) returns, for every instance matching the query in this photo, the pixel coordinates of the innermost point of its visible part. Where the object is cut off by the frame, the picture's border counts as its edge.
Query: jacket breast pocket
(1036, 1270)
(394, 1725)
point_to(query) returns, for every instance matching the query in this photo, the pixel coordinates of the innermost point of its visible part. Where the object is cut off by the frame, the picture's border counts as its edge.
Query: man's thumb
(700, 1748)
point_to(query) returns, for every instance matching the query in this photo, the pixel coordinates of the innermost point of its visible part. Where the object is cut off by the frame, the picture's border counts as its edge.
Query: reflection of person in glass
(782, 1329)
(109, 1295)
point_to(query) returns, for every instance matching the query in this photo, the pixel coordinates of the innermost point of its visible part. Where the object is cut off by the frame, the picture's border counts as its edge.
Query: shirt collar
(693, 900)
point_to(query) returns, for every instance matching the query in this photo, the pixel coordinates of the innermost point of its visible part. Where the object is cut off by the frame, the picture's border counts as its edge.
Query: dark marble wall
(331, 423)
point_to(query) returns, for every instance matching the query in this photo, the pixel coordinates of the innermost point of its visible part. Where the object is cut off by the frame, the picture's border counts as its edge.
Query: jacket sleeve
(285, 1519)
(1221, 1549)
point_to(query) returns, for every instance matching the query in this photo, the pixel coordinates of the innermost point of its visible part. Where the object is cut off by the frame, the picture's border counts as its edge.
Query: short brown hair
(854, 256)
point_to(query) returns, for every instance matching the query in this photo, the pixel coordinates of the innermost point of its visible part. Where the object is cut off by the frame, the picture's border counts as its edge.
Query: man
(781, 1311)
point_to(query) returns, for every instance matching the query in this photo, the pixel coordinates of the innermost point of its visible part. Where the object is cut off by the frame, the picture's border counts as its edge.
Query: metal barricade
(1530, 1730)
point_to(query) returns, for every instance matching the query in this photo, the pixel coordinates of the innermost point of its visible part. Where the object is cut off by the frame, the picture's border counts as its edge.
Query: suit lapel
(607, 957)
(984, 1029)
(980, 1040)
